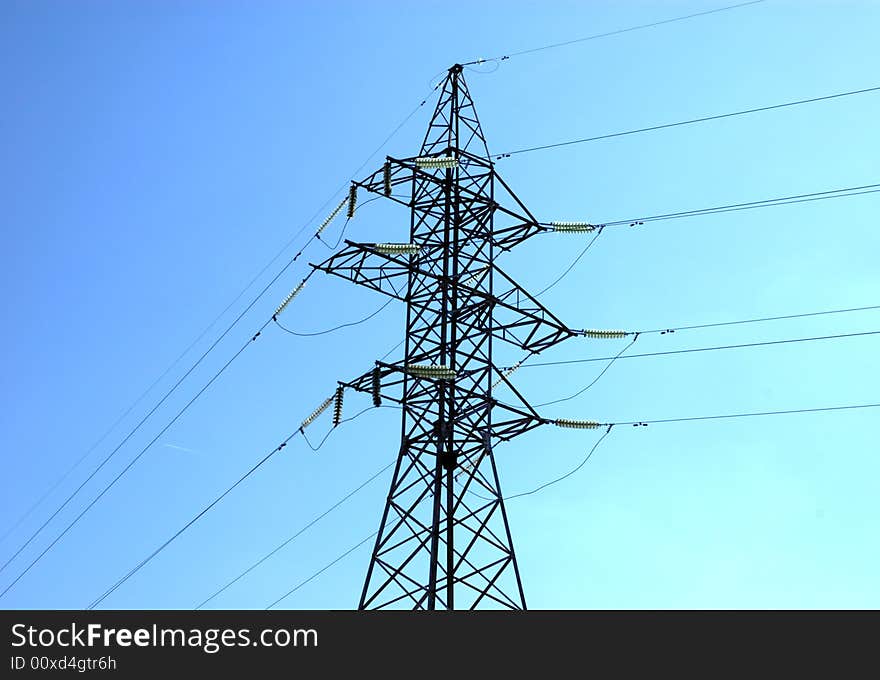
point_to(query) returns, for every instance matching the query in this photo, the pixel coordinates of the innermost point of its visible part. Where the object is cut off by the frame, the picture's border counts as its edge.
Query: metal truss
(444, 541)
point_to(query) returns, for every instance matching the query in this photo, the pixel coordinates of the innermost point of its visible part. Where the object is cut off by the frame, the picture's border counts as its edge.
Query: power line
(610, 33)
(323, 569)
(131, 463)
(186, 526)
(297, 534)
(143, 420)
(751, 205)
(701, 349)
(690, 121)
(207, 508)
(595, 380)
(572, 265)
(802, 315)
(566, 475)
(609, 427)
(335, 328)
(733, 207)
(751, 415)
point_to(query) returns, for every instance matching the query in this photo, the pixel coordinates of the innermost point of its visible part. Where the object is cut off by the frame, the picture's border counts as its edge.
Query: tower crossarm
(386, 381)
(365, 265)
(514, 223)
(519, 319)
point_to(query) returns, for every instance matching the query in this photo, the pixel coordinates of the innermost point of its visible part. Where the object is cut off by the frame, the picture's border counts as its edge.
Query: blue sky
(157, 155)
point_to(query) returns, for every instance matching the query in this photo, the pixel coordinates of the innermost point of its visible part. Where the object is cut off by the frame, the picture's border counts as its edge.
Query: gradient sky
(157, 154)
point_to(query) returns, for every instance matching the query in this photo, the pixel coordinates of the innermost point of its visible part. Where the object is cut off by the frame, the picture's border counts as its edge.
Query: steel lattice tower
(444, 541)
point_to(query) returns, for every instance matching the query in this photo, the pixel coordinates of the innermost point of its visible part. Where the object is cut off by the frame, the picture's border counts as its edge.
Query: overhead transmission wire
(300, 430)
(346, 420)
(192, 368)
(672, 329)
(751, 414)
(298, 533)
(131, 464)
(762, 319)
(207, 508)
(596, 36)
(131, 433)
(174, 364)
(690, 121)
(600, 440)
(186, 526)
(715, 210)
(752, 205)
(323, 569)
(572, 265)
(701, 349)
(638, 423)
(596, 379)
(312, 334)
(565, 476)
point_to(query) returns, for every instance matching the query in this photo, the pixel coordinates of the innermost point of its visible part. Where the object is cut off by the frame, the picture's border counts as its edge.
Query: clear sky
(157, 154)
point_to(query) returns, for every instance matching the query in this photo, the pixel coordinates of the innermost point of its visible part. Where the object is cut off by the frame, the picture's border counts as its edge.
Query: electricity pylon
(444, 541)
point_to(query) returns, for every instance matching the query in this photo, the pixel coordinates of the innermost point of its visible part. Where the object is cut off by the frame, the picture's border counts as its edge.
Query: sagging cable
(396, 248)
(573, 227)
(352, 200)
(376, 386)
(432, 371)
(386, 177)
(434, 162)
(337, 405)
(577, 424)
(286, 301)
(317, 412)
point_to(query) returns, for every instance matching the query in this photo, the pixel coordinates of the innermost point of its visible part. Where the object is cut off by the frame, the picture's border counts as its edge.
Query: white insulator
(396, 248)
(318, 411)
(436, 162)
(330, 217)
(573, 226)
(292, 294)
(433, 371)
(604, 335)
(577, 424)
